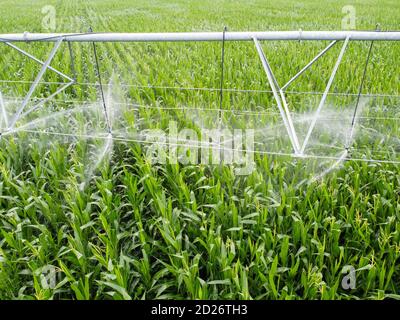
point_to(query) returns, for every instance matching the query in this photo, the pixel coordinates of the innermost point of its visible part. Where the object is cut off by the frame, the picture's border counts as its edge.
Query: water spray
(8, 125)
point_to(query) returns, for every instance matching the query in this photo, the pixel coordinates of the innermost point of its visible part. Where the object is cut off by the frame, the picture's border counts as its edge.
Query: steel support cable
(221, 92)
(137, 106)
(353, 120)
(383, 95)
(271, 153)
(101, 87)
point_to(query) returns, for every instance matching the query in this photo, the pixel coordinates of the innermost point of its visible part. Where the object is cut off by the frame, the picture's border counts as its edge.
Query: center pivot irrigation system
(335, 37)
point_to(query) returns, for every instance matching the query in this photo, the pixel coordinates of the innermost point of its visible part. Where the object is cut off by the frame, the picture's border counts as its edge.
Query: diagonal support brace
(4, 117)
(279, 98)
(316, 58)
(325, 94)
(39, 76)
(38, 61)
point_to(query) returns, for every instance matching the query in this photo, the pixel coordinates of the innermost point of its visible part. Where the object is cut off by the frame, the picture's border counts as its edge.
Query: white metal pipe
(323, 99)
(275, 87)
(309, 64)
(289, 118)
(38, 61)
(205, 36)
(35, 83)
(40, 103)
(3, 111)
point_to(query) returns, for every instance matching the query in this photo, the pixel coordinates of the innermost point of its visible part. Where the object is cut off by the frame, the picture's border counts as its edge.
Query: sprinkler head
(346, 152)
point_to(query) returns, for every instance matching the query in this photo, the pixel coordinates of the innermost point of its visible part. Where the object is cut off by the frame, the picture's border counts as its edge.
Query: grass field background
(142, 231)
